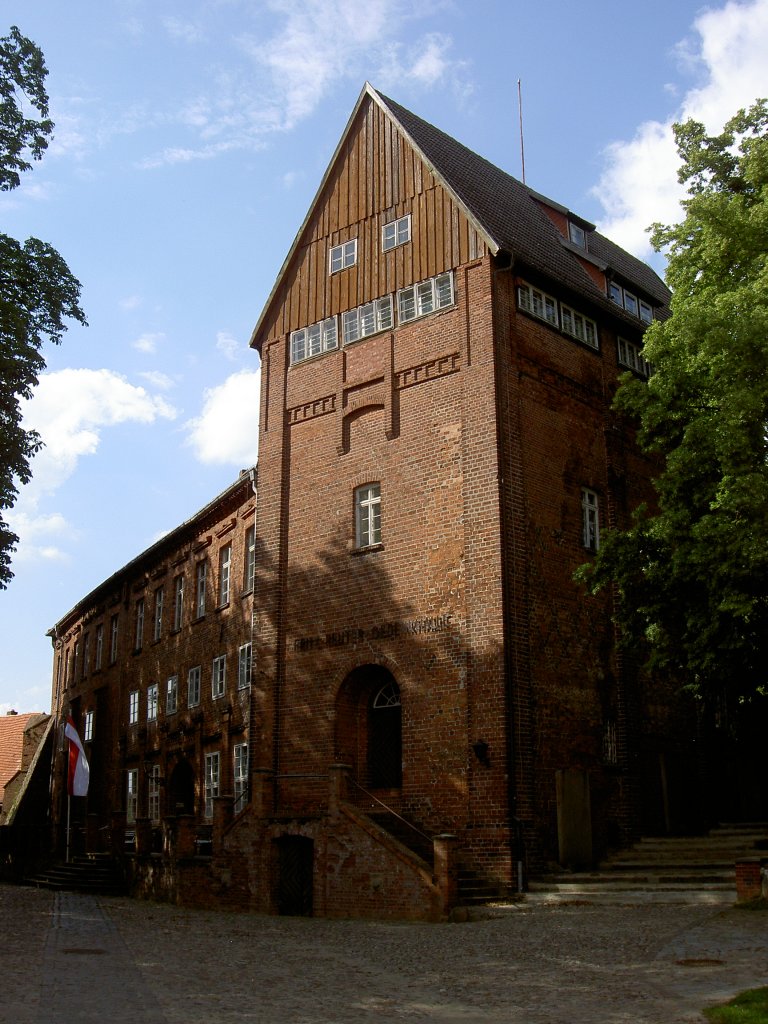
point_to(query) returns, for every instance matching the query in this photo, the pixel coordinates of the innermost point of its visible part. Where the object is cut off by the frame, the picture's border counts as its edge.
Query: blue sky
(191, 136)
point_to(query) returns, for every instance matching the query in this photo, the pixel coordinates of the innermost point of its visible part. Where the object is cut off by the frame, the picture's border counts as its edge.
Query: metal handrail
(391, 810)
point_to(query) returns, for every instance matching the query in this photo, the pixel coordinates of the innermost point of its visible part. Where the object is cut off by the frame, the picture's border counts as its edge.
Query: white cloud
(148, 342)
(129, 303)
(639, 184)
(227, 345)
(70, 409)
(180, 28)
(159, 381)
(227, 429)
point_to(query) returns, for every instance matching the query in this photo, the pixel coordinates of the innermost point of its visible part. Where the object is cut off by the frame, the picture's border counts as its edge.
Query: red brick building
(431, 691)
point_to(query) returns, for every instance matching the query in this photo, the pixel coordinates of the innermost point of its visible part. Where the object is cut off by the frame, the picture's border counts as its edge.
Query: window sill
(367, 550)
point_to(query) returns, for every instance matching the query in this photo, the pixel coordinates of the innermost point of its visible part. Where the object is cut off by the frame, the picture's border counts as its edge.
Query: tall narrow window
(172, 695)
(244, 667)
(159, 598)
(139, 638)
(250, 559)
(193, 687)
(201, 572)
(113, 640)
(178, 602)
(153, 793)
(133, 707)
(132, 795)
(152, 702)
(219, 676)
(99, 647)
(212, 781)
(88, 727)
(225, 564)
(240, 775)
(368, 515)
(86, 654)
(590, 517)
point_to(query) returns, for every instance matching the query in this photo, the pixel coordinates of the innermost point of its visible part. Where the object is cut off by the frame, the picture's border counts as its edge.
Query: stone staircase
(94, 873)
(668, 869)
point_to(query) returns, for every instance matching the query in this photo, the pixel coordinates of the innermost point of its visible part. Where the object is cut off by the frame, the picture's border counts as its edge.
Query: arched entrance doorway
(369, 727)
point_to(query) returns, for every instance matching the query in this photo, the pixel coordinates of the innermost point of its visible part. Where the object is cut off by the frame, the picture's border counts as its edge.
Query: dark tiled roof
(510, 215)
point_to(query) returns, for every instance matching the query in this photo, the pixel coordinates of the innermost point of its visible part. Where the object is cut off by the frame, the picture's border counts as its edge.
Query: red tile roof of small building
(12, 728)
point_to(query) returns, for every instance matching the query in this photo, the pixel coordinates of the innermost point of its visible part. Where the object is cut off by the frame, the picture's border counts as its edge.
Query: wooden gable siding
(377, 178)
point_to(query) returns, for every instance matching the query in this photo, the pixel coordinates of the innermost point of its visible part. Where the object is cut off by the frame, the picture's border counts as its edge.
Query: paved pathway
(69, 959)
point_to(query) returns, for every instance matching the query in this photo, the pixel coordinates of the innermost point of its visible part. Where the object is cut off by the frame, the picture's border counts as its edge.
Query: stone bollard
(748, 879)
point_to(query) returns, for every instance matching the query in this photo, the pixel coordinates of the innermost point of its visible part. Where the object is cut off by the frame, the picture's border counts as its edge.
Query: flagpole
(69, 803)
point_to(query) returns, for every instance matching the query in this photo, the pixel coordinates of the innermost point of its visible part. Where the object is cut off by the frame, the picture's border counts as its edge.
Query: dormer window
(577, 235)
(342, 256)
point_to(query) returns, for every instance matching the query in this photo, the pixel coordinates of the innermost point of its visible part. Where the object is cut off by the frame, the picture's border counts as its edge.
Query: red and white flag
(78, 771)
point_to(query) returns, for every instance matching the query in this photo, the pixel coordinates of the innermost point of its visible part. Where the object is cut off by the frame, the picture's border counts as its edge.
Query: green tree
(37, 291)
(691, 577)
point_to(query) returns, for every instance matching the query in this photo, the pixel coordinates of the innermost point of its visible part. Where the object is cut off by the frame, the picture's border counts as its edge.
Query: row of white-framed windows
(225, 565)
(413, 302)
(250, 559)
(244, 667)
(397, 232)
(590, 519)
(178, 602)
(240, 775)
(219, 676)
(425, 297)
(630, 355)
(547, 308)
(367, 319)
(88, 727)
(368, 515)
(342, 256)
(132, 795)
(201, 573)
(212, 780)
(627, 300)
(578, 326)
(153, 792)
(312, 340)
(172, 695)
(133, 707)
(139, 640)
(159, 599)
(193, 686)
(152, 701)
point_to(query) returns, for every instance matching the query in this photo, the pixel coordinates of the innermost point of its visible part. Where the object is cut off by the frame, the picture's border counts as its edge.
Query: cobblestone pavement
(69, 959)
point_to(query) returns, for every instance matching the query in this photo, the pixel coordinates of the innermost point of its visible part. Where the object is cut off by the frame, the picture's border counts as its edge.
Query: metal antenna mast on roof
(520, 109)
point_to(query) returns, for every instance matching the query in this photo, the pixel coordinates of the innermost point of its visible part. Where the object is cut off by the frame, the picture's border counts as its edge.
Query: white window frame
(178, 602)
(314, 340)
(138, 642)
(579, 326)
(172, 695)
(645, 311)
(133, 707)
(538, 304)
(212, 780)
(425, 297)
(153, 793)
(158, 614)
(629, 354)
(219, 676)
(342, 256)
(396, 233)
(370, 318)
(194, 677)
(88, 727)
(577, 234)
(368, 515)
(201, 583)
(225, 575)
(153, 700)
(250, 559)
(240, 775)
(590, 519)
(244, 659)
(132, 795)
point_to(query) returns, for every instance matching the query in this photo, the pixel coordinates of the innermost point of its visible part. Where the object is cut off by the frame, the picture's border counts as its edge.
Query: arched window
(385, 738)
